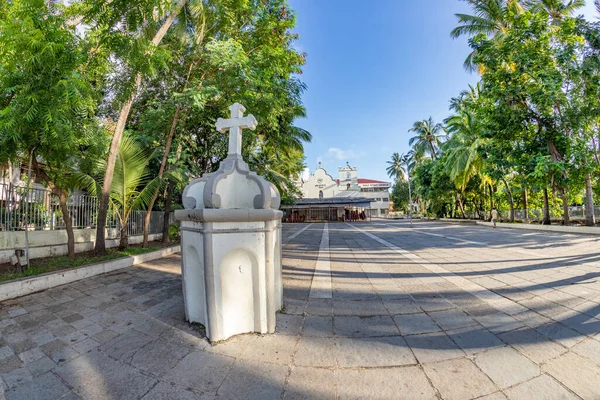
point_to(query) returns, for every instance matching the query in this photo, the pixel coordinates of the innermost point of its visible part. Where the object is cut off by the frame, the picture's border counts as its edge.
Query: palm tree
(466, 98)
(556, 9)
(399, 168)
(428, 138)
(464, 160)
(490, 17)
(395, 167)
(414, 158)
(132, 187)
(463, 150)
(277, 165)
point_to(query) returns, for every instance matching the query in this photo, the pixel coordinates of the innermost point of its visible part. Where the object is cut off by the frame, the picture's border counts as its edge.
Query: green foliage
(208, 70)
(399, 196)
(428, 138)
(531, 122)
(47, 103)
(44, 265)
(174, 232)
(398, 167)
(66, 69)
(133, 185)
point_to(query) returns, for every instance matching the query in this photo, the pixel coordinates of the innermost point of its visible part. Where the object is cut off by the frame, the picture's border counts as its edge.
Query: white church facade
(321, 185)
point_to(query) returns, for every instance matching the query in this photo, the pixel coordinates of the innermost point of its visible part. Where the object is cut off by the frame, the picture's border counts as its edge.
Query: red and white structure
(322, 185)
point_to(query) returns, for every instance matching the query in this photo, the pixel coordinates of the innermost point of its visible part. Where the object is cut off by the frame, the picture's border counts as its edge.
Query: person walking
(494, 216)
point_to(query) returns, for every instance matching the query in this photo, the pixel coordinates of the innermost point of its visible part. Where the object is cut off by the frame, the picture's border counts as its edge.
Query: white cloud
(343, 155)
(305, 174)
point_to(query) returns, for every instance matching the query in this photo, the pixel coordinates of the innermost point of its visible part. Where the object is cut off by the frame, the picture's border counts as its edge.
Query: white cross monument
(235, 124)
(231, 243)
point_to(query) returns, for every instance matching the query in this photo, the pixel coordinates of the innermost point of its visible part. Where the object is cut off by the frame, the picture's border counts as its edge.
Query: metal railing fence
(576, 213)
(39, 209)
(537, 214)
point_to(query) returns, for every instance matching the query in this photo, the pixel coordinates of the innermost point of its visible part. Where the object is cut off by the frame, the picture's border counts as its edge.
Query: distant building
(321, 185)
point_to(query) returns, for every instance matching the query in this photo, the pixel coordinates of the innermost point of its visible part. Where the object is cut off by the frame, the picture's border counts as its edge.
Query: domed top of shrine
(233, 185)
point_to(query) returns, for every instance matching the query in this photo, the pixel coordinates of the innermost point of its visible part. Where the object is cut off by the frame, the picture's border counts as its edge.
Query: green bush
(174, 233)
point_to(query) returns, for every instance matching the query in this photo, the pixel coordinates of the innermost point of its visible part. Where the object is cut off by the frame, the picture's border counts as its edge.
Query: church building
(347, 187)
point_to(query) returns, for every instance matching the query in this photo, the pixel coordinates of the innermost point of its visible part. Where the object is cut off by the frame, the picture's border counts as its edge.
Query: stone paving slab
(301, 384)
(439, 311)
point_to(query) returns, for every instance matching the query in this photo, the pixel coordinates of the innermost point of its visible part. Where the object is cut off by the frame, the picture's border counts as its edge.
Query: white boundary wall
(54, 243)
(587, 230)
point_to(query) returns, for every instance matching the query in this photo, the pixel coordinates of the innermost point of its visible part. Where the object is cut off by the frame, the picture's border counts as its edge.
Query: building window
(320, 194)
(386, 199)
(383, 211)
(348, 175)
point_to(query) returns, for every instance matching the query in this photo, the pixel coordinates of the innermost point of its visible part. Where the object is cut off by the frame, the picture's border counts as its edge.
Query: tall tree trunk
(454, 208)
(124, 239)
(167, 216)
(169, 201)
(163, 162)
(510, 200)
(100, 247)
(565, 199)
(491, 200)
(63, 198)
(590, 218)
(461, 206)
(31, 156)
(546, 220)
(483, 201)
(526, 204)
(595, 148)
(161, 171)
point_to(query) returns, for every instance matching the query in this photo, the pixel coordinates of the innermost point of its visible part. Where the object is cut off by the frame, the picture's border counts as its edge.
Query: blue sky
(373, 69)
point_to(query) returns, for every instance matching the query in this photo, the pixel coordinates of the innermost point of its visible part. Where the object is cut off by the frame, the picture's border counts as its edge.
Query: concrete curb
(24, 286)
(452, 220)
(584, 230)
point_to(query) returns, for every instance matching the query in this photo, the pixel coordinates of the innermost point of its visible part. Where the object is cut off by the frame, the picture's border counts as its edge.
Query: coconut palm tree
(490, 17)
(277, 165)
(132, 187)
(464, 160)
(396, 166)
(466, 98)
(556, 9)
(414, 158)
(399, 168)
(428, 138)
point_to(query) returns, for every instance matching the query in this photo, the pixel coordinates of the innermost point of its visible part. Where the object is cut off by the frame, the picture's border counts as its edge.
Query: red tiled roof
(369, 181)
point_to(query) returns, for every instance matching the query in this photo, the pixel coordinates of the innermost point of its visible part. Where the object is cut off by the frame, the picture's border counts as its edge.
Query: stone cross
(235, 124)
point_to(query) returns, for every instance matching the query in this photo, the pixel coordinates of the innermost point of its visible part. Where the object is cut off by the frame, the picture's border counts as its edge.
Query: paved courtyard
(372, 310)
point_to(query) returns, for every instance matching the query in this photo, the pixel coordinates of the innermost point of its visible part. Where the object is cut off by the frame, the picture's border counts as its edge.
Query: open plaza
(371, 310)
(299, 199)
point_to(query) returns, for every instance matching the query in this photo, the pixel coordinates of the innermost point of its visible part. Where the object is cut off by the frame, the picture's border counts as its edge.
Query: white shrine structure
(231, 244)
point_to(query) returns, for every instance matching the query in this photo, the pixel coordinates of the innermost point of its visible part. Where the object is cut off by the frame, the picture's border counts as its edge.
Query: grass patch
(42, 265)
